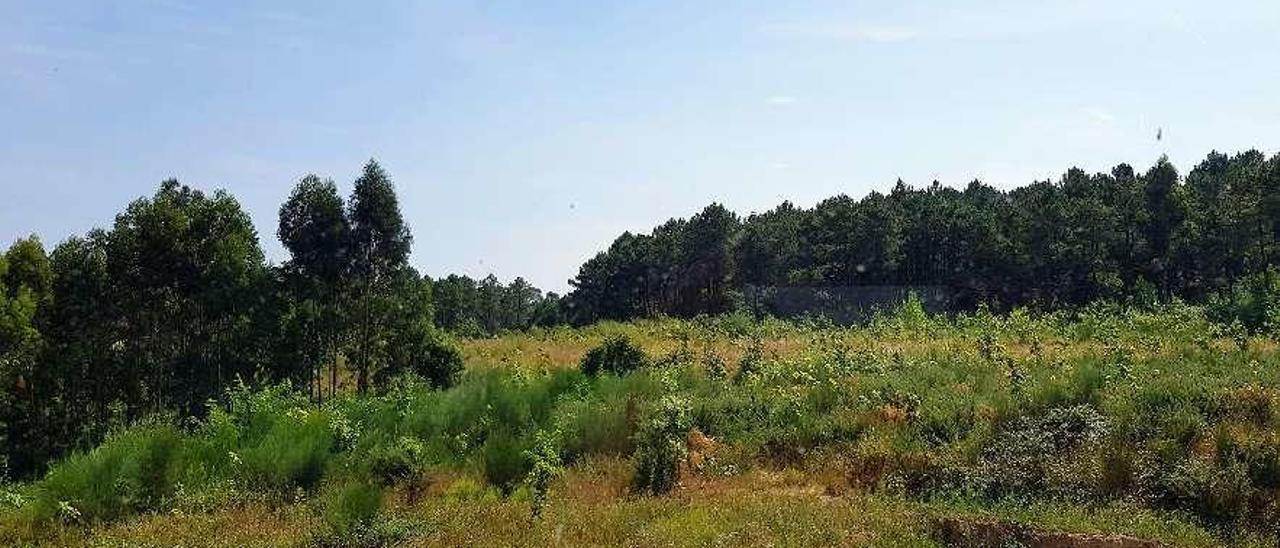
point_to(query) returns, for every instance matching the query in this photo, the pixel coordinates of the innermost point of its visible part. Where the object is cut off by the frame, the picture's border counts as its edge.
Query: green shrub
(426, 353)
(1069, 427)
(545, 467)
(251, 413)
(390, 459)
(714, 365)
(616, 355)
(503, 461)
(1217, 493)
(1119, 467)
(603, 421)
(908, 317)
(752, 361)
(293, 453)
(1253, 301)
(662, 445)
(132, 472)
(1019, 459)
(353, 507)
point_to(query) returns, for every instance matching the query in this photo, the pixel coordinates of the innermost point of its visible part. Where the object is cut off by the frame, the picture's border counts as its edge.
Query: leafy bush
(1019, 460)
(426, 353)
(662, 445)
(1219, 493)
(752, 360)
(714, 365)
(1254, 301)
(616, 355)
(545, 467)
(603, 421)
(391, 459)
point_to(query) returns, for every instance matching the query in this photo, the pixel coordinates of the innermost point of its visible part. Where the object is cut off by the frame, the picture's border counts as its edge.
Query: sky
(524, 136)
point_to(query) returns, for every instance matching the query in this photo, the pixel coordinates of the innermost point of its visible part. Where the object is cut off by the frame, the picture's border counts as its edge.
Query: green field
(1105, 426)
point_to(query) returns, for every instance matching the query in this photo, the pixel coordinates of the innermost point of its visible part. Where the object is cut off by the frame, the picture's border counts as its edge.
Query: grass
(759, 508)
(1156, 424)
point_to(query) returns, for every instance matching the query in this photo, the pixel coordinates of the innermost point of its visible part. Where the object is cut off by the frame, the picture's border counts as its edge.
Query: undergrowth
(1163, 409)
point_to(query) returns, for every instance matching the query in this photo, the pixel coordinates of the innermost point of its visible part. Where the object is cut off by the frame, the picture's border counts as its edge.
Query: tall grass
(134, 471)
(1163, 409)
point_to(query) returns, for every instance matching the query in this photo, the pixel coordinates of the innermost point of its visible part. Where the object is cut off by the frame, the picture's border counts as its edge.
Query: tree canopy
(1050, 244)
(174, 302)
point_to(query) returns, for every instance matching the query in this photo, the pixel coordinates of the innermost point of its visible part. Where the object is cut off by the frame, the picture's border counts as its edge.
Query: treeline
(1121, 236)
(486, 307)
(175, 302)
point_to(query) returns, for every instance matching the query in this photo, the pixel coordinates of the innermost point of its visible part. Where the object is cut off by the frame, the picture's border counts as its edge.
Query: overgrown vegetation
(616, 355)
(1103, 340)
(174, 302)
(1166, 411)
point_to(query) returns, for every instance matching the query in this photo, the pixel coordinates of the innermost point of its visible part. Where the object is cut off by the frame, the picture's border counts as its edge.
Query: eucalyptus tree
(379, 251)
(313, 226)
(1270, 214)
(81, 328)
(28, 267)
(186, 272)
(24, 271)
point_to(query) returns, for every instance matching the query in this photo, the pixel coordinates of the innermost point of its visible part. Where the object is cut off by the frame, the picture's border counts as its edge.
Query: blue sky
(523, 136)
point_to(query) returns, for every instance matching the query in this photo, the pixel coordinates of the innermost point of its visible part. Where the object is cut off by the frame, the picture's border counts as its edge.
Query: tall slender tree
(313, 226)
(24, 271)
(379, 251)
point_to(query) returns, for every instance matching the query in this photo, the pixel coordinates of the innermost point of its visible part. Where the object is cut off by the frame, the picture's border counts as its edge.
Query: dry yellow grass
(539, 350)
(591, 506)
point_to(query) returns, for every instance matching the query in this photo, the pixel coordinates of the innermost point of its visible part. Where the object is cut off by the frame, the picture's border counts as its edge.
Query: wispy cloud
(1022, 20)
(781, 100)
(846, 32)
(41, 51)
(1098, 115)
(286, 18)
